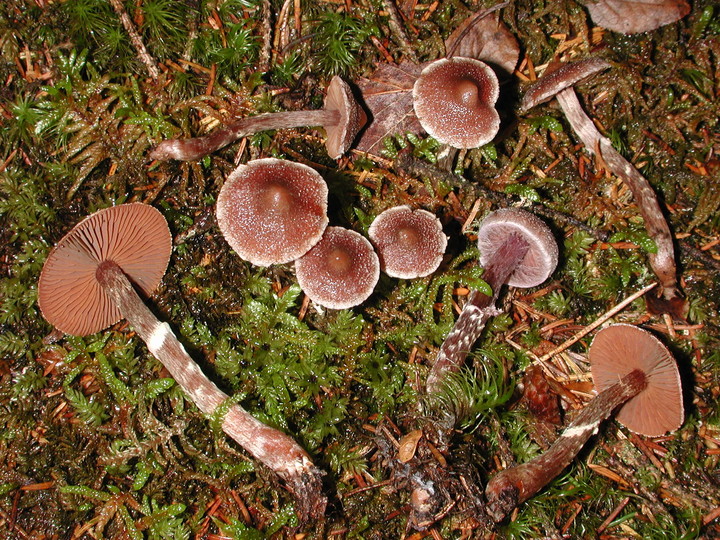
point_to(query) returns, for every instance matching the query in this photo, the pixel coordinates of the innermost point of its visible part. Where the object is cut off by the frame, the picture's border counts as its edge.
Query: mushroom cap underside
(621, 348)
(339, 97)
(135, 236)
(542, 256)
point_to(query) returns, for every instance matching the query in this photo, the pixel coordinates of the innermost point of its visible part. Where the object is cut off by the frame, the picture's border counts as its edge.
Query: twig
(136, 40)
(397, 28)
(585, 331)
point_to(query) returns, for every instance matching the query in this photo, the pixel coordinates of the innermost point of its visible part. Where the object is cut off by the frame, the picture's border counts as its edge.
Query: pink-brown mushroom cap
(340, 137)
(621, 348)
(272, 211)
(542, 256)
(454, 100)
(340, 271)
(135, 236)
(410, 243)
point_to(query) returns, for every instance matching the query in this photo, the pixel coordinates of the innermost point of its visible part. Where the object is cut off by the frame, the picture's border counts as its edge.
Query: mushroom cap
(272, 211)
(542, 256)
(454, 101)
(619, 349)
(410, 243)
(340, 271)
(339, 97)
(135, 236)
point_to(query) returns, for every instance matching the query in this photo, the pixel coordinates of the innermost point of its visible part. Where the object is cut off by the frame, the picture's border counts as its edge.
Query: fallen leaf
(635, 16)
(542, 402)
(408, 445)
(484, 37)
(387, 95)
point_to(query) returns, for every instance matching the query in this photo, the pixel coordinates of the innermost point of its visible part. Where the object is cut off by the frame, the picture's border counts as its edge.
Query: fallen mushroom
(341, 116)
(516, 248)
(631, 368)
(410, 243)
(454, 100)
(559, 83)
(272, 211)
(340, 271)
(86, 284)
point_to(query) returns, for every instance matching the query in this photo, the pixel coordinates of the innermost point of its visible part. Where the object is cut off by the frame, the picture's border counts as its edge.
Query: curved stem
(514, 486)
(477, 310)
(270, 446)
(198, 147)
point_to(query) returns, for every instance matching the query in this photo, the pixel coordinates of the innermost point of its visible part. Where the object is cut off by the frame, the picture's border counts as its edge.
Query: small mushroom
(341, 116)
(632, 369)
(454, 100)
(410, 243)
(516, 248)
(340, 271)
(272, 211)
(86, 285)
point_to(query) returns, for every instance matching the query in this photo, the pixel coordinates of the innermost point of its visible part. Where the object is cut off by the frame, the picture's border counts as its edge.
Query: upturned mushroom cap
(340, 271)
(339, 97)
(454, 101)
(135, 236)
(542, 256)
(410, 243)
(621, 348)
(272, 211)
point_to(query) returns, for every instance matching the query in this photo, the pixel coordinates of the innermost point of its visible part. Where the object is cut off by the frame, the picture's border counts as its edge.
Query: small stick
(136, 40)
(585, 331)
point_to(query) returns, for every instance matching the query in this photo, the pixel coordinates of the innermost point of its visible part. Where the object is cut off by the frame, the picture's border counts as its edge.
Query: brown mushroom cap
(410, 243)
(454, 101)
(135, 236)
(272, 211)
(340, 271)
(542, 256)
(339, 97)
(621, 348)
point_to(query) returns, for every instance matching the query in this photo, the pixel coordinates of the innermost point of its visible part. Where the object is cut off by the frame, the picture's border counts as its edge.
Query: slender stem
(477, 310)
(270, 446)
(198, 147)
(514, 486)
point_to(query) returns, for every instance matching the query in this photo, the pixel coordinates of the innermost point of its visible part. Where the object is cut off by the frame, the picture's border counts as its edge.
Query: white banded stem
(515, 485)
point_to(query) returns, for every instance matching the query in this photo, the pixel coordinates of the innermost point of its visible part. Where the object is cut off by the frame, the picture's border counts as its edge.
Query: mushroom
(516, 248)
(272, 211)
(341, 116)
(86, 284)
(631, 368)
(340, 271)
(454, 101)
(410, 243)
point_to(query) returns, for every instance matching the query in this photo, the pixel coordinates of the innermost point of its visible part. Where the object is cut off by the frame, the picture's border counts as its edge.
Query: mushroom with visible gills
(87, 284)
(272, 211)
(516, 248)
(340, 271)
(454, 100)
(341, 116)
(410, 243)
(631, 369)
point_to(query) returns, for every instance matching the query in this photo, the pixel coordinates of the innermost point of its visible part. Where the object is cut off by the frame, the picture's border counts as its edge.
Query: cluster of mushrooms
(98, 272)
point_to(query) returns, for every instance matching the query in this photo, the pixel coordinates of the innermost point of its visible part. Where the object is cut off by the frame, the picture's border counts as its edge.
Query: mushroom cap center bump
(272, 211)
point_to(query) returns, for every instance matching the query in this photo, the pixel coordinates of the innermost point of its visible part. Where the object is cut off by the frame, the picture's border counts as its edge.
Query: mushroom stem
(198, 147)
(478, 309)
(514, 486)
(270, 446)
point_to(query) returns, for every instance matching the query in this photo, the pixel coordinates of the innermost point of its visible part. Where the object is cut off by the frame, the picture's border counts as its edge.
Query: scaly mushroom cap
(340, 98)
(454, 101)
(340, 271)
(272, 211)
(135, 236)
(542, 256)
(410, 243)
(621, 348)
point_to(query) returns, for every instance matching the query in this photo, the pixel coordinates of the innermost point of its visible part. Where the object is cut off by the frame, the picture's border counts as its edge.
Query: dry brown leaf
(485, 38)
(387, 95)
(408, 445)
(635, 16)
